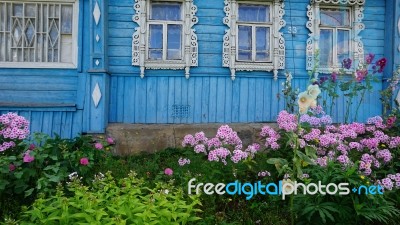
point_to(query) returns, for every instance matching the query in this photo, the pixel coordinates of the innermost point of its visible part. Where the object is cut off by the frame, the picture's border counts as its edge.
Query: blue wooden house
(75, 66)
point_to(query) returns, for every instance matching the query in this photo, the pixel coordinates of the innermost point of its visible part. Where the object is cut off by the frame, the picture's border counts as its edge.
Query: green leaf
(305, 158)
(311, 152)
(18, 175)
(275, 161)
(29, 192)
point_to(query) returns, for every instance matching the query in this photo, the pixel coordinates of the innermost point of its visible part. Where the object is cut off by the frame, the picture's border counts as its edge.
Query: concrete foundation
(139, 138)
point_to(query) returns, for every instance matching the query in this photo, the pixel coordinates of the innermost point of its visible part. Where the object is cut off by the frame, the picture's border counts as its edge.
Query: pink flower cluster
(219, 154)
(252, 149)
(271, 137)
(183, 161)
(27, 157)
(377, 121)
(191, 141)
(367, 141)
(12, 127)
(264, 174)
(287, 121)
(391, 181)
(317, 118)
(226, 144)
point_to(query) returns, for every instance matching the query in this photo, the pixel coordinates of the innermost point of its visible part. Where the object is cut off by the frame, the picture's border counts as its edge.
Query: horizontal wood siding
(210, 93)
(58, 87)
(67, 124)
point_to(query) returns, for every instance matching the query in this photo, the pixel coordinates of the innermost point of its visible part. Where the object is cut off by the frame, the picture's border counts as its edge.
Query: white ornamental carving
(313, 11)
(349, 2)
(96, 95)
(96, 13)
(190, 47)
(230, 37)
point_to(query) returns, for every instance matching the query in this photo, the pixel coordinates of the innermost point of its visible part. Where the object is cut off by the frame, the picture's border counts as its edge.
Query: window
(334, 30)
(254, 31)
(165, 24)
(165, 38)
(250, 42)
(38, 34)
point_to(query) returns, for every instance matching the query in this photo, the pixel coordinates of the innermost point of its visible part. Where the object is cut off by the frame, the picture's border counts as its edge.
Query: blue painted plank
(236, 100)
(228, 100)
(151, 101)
(171, 99)
(197, 104)
(128, 99)
(221, 99)
(162, 100)
(213, 97)
(259, 100)
(205, 100)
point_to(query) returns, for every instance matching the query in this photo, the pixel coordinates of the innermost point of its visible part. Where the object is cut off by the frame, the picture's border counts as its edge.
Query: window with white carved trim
(334, 34)
(38, 34)
(164, 38)
(165, 31)
(254, 33)
(253, 41)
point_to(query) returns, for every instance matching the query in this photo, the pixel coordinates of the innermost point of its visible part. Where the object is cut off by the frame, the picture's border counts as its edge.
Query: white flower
(166, 191)
(314, 91)
(73, 175)
(305, 101)
(289, 187)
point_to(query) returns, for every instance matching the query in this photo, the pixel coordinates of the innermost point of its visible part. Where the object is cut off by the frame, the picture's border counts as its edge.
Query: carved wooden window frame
(356, 45)
(189, 41)
(230, 40)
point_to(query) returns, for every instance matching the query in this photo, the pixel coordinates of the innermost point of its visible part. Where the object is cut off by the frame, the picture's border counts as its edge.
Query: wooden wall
(59, 100)
(210, 93)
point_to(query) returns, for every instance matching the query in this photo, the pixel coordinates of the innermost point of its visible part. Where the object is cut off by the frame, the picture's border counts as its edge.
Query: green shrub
(28, 169)
(107, 201)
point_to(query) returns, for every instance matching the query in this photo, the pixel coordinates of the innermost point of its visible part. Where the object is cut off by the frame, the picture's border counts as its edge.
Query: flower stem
(359, 104)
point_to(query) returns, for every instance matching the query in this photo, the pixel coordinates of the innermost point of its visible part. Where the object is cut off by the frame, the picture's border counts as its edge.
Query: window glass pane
(66, 19)
(174, 42)
(335, 17)
(166, 11)
(343, 45)
(245, 42)
(155, 41)
(326, 47)
(36, 32)
(262, 43)
(18, 10)
(253, 13)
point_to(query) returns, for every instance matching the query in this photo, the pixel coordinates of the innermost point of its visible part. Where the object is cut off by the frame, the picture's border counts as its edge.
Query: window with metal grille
(36, 34)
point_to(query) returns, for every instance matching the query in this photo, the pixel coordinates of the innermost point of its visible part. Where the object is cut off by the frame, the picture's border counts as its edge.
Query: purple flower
(84, 161)
(369, 58)
(27, 157)
(110, 141)
(347, 63)
(168, 172)
(11, 167)
(381, 63)
(32, 146)
(390, 121)
(98, 146)
(334, 77)
(361, 74)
